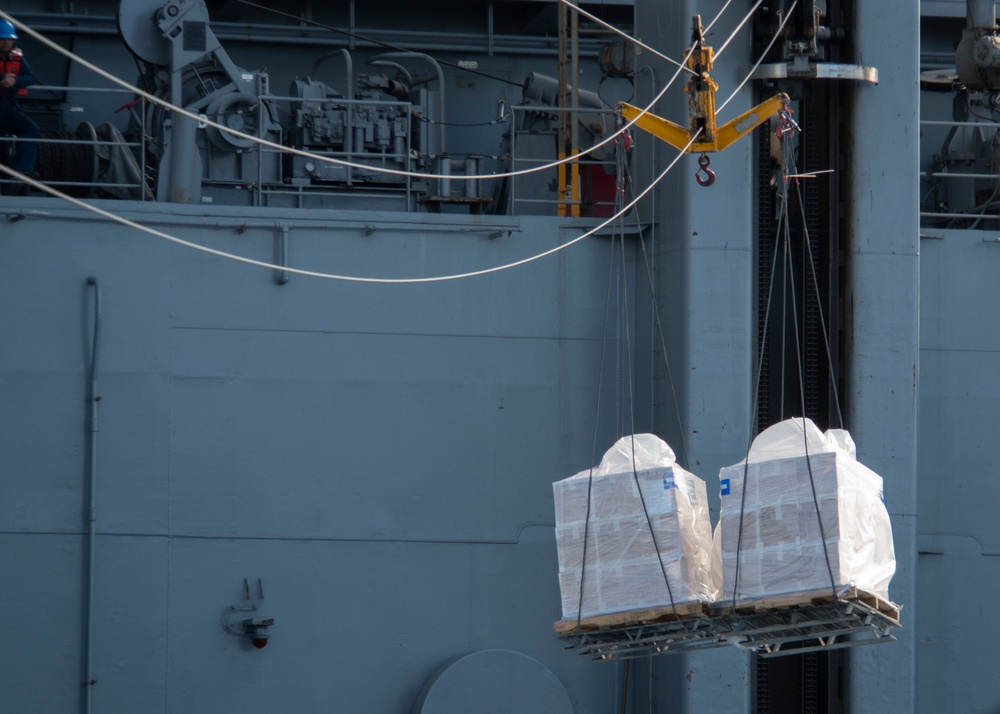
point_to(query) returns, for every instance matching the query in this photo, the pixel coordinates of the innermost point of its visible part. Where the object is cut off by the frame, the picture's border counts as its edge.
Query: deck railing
(87, 161)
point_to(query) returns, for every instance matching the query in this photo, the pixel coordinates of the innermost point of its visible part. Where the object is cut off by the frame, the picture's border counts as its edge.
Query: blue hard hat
(7, 31)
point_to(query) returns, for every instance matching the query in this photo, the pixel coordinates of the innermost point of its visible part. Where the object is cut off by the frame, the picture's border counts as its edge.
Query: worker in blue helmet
(15, 77)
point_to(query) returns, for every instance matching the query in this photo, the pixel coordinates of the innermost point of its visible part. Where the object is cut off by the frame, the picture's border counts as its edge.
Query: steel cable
(790, 152)
(760, 59)
(379, 43)
(753, 413)
(784, 237)
(332, 276)
(822, 318)
(329, 159)
(619, 201)
(805, 438)
(153, 99)
(597, 420)
(309, 273)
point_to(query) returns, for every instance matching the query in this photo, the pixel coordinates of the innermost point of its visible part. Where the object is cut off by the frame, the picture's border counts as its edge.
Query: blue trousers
(13, 120)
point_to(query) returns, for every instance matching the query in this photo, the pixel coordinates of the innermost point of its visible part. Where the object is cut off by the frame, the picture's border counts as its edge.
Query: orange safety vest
(12, 65)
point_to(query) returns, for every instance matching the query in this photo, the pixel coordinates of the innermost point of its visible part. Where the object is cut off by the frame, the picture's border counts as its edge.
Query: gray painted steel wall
(883, 321)
(706, 261)
(708, 275)
(242, 422)
(958, 491)
(380, 456)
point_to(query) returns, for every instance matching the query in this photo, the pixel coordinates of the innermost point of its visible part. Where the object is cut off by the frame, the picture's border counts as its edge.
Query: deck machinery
(386, 124)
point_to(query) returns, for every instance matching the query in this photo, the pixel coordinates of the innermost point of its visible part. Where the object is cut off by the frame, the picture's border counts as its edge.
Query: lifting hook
(709, 179)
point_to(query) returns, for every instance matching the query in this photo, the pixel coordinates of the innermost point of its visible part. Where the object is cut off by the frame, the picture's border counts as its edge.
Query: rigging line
(597, 422)
(822, 318)
(715, 19)
(580, 11)
(652, 531)
(663, 349)
(978, 116)
(153, 99)
(331, 276)
(996, 190)
(631, 395)
(356, 36)
(756, 404)
(626, 387)
(985, 207)
(620, 161)
(639, 43)
(785, 268)
(760, 59)
(739, 27)
(660, 331)
(421, 117)
(805, 440)
(329, 159)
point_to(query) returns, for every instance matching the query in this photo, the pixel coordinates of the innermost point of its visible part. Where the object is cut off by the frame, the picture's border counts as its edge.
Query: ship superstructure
(285, 411)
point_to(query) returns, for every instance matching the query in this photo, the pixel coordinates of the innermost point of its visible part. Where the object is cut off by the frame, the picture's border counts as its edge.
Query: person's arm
(25, 77)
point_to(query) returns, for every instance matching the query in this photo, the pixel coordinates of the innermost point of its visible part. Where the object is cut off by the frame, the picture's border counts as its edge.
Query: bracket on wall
(242, 620)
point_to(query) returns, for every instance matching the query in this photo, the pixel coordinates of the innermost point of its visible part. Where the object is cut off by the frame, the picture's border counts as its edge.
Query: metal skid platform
(812, 623)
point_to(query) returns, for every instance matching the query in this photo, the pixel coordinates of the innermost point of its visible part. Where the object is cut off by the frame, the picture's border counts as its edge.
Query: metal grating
(852, 620)
(767, 227)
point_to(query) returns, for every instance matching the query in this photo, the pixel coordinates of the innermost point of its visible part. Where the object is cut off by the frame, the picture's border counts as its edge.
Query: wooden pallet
(787, 601)
(628, 618)
(771, 627)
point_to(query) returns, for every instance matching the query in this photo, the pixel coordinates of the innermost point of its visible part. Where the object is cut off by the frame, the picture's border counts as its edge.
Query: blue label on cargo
(668, 480)
(725, 486)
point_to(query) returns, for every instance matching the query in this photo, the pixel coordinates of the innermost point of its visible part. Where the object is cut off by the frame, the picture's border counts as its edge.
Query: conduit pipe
(321, 36)
(440, 78)
(281, 277)
(243, 224)
(91, 486)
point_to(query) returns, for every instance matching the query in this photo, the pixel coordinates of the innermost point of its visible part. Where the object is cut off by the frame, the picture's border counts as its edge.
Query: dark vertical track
(812, 682)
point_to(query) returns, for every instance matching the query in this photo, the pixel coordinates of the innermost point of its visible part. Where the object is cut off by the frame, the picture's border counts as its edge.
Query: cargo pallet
(772, 627)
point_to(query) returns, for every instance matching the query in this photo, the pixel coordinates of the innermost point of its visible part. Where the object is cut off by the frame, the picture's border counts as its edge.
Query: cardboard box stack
(622, 570)
(781, 550)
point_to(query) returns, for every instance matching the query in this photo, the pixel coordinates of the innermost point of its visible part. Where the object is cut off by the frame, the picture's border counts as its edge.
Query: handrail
(966, 197)
(267, 181)
(534, 158)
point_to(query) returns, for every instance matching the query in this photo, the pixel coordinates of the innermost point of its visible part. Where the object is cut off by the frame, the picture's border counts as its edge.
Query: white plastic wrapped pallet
(621, 571)
(781, 550)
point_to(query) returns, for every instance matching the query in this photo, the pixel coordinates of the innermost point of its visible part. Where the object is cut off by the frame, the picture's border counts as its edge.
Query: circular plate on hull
(494, 682)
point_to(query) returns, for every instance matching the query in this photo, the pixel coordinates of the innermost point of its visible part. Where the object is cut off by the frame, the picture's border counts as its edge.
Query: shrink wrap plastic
(621, 571)
(781, 550)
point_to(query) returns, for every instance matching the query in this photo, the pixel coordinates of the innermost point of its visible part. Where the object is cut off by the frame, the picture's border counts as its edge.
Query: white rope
(715, 19)
(738, 28)
(634, 40)
(201, 119)
(341, 162)
(333, 276)
(761, 59)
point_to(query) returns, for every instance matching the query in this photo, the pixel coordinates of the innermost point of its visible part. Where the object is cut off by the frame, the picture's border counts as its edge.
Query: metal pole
(574, 147)
(562, 101)
(91, 478)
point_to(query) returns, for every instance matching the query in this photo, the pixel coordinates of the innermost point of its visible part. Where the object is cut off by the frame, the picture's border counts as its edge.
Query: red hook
(703, 162)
